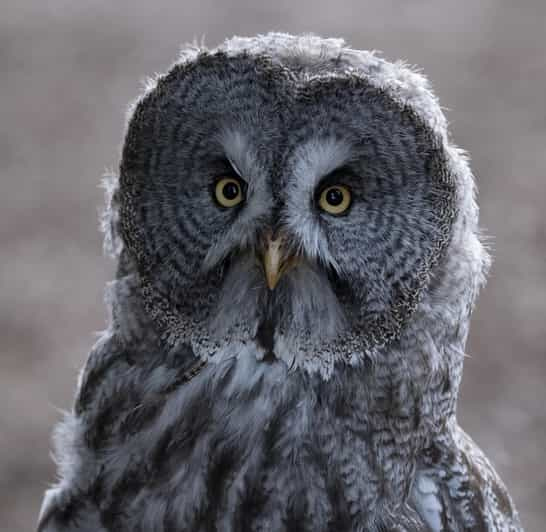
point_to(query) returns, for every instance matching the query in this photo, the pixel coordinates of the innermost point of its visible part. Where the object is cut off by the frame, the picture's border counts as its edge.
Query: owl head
(291, 198)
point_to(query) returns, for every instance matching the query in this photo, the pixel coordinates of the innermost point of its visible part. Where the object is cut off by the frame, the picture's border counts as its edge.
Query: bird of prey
(298, 258)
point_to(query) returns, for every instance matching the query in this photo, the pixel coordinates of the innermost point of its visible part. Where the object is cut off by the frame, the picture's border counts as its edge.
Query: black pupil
(230, 190)
(334, 196)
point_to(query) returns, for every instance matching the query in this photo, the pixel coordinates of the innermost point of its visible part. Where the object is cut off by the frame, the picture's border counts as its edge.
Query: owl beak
(275, 261)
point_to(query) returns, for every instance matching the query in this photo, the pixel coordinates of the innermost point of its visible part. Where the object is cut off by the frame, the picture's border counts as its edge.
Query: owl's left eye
(228, 192)
(335, 199)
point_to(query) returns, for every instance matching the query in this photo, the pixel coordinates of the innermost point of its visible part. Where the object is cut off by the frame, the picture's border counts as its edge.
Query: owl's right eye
(228, 192)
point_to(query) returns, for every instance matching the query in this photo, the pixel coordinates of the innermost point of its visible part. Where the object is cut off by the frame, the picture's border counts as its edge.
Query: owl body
(298, 261)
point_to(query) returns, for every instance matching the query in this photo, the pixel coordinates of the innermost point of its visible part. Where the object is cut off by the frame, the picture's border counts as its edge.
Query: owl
(298, 259)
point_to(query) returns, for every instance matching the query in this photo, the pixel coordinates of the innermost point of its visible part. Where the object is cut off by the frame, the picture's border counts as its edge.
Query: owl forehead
(321, 123)
(258, 111)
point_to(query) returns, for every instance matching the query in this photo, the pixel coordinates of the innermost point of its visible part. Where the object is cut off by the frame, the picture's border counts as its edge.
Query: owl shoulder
(457, 489)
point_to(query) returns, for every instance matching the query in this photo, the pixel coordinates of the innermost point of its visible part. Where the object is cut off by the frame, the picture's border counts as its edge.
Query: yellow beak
(275, 261)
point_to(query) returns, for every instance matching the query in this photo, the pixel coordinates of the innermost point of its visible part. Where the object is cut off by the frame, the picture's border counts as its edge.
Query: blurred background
(68, 70)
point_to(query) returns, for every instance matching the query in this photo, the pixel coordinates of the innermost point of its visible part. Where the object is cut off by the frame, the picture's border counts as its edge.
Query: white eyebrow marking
(240, 153)
(312, 161)
(318, 158)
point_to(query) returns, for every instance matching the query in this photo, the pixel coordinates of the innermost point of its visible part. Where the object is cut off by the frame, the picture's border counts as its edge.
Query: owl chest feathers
(249, 444)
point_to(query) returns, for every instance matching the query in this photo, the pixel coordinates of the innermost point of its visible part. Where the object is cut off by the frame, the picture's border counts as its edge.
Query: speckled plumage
(191, 414)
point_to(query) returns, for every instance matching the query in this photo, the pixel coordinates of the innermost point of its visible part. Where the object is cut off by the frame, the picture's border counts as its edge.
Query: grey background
(67, 71)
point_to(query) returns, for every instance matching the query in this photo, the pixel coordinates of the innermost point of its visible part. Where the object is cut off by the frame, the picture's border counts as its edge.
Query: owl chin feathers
(302, 322)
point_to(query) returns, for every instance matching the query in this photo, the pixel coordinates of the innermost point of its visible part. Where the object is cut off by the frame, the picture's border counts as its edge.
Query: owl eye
(335, 199)
(228, 192)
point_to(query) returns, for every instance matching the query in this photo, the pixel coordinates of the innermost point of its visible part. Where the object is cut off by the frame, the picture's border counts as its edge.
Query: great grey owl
(299, 257)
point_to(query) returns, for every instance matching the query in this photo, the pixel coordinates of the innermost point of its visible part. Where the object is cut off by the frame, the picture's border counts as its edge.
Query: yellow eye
(335, 199)
(228, 192)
